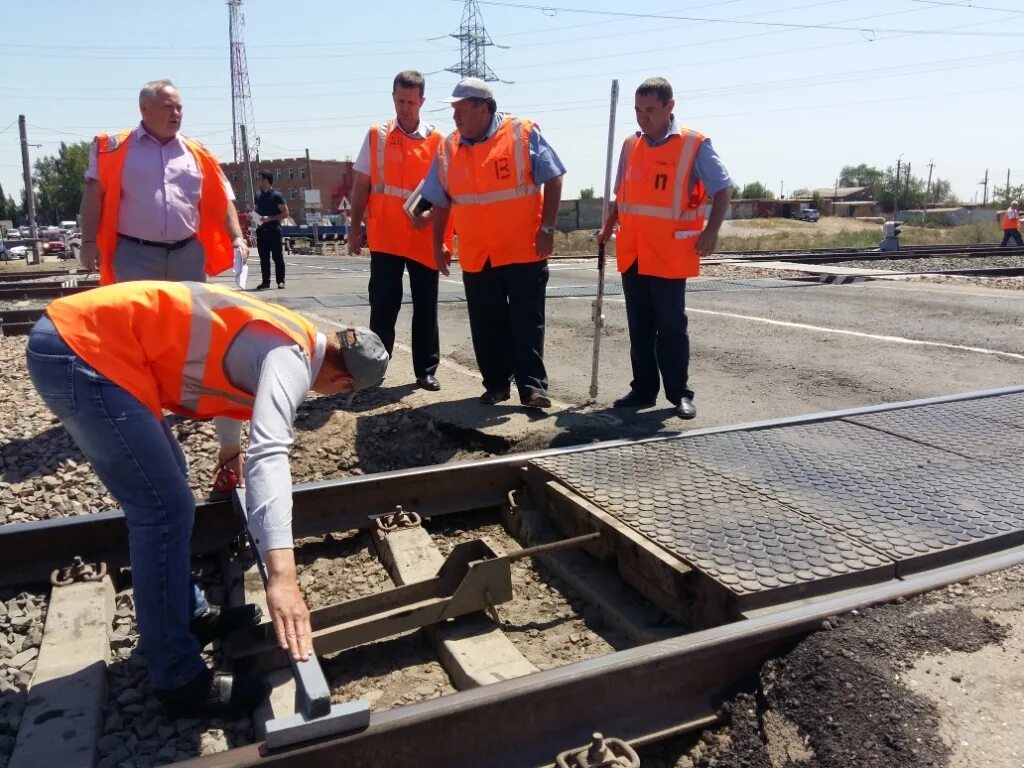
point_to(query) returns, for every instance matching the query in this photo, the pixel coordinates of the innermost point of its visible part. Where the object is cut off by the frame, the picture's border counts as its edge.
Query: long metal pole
(598, 305)
(30, 197)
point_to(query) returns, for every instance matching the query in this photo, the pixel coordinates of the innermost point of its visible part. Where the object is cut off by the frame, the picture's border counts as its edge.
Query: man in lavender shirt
(160, 187)
(157, 222)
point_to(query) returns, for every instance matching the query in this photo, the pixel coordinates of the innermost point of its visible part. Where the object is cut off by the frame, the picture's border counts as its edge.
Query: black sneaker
(262, 286)
(279, 285)
(210, 695)
(219, 623)
(634, 400)
(495, 396)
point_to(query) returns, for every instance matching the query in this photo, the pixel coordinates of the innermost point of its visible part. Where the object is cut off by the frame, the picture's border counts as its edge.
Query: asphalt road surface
(761, 348)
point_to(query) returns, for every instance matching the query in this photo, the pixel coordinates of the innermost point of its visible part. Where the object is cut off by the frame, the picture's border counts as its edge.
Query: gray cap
(365, 357)
(470, 88)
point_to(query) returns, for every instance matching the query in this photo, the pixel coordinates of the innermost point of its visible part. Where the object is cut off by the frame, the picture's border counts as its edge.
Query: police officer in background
(501, 183)
(666, 172)
(272, 209)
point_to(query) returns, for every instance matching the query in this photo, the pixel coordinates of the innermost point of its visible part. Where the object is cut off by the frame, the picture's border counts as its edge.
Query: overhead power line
(548, 10)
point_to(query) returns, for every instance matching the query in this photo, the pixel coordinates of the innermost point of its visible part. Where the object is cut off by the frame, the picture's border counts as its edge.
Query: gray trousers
(134, 261)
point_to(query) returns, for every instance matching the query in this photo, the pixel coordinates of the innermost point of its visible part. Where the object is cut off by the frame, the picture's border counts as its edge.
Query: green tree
(816, 201)
(8, 208)
(862, 175)
(755, 190)
(587, 194)
(58, 182)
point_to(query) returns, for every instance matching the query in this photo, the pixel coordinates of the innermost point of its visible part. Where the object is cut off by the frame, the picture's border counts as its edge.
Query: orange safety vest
(660, 214)
(111, 152)
(165, 342)
(398, 164)
(1009, 223)
(495, 204)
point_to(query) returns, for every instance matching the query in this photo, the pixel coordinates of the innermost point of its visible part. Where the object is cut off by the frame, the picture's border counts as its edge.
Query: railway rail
(572, 509)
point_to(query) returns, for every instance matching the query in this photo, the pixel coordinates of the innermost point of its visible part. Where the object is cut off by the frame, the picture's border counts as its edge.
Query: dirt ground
(934, 681)
(827, 225)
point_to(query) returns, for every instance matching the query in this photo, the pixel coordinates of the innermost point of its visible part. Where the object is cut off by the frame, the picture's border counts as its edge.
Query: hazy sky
(788, 90)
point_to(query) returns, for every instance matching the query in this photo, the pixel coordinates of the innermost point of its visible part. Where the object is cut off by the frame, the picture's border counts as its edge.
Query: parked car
(53, 246)
(18, 252)
(13, 234)
(807, 214)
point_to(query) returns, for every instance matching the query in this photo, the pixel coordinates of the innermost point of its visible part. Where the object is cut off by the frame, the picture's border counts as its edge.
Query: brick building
(333, 178)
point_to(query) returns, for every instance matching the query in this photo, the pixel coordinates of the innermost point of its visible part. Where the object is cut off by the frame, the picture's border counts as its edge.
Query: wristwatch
(549, 229)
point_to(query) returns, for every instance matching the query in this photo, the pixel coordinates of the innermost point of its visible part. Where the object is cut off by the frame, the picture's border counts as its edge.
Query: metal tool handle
(598, 306)
(314, 695)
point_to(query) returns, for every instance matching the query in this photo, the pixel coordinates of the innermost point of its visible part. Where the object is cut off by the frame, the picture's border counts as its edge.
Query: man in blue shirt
(664, 243)
(504, 215)
(272, 209)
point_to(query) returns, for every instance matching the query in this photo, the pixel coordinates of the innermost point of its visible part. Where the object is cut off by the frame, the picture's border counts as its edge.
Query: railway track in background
(839, 255)
(655, 687)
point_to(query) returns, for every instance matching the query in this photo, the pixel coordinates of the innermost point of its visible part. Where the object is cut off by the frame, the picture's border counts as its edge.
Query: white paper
(241, 269)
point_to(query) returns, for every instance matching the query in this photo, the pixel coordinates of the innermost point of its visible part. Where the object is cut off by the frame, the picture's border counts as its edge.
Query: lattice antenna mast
(244, 140)
(473, 41)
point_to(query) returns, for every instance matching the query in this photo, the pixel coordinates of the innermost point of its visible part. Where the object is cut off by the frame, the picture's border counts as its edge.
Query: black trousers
(506, 320)
(1012, 234)
(385, 289)
(268, 243)
(658, 341)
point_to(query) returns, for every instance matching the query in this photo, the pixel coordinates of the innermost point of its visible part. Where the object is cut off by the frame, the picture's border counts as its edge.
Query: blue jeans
(137, 458)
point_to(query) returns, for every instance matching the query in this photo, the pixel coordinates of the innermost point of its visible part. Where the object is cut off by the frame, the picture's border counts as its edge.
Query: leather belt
(159, 243)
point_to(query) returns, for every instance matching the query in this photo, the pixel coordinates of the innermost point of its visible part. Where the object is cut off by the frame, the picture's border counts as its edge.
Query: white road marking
(860, 334)
(840, 331)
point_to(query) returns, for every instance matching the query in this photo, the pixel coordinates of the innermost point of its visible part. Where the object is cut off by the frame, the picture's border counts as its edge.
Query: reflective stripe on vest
(684, 172)
(523, 188)
(204, 303)
(381, 188)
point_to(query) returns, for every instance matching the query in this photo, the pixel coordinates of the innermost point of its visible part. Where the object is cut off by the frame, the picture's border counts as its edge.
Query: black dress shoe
(495, 396)
(219, 623)
(214, 695)
(634, 400)
(262, 286)
(685, 409)
(428, 382)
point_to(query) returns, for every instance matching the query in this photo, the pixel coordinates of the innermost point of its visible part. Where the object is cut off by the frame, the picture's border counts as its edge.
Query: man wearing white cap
(501, 183)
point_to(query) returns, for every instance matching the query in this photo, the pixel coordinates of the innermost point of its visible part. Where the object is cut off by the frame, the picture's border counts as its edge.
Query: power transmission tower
(473, 41)
(243, 125)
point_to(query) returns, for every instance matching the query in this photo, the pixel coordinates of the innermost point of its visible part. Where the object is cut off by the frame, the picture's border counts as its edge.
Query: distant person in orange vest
(1011, 226)
(156, 205)
(500, 182)
(108, 362)
(391, 164)
(666, 172)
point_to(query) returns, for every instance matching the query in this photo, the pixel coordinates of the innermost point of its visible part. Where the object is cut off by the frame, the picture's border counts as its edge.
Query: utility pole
(248, 165)
(928, 189)
(984, 184)
(1008, 185)
(309, 171)
(896, 191)
(30, 196)
(782, 186)
(906, 184)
